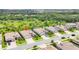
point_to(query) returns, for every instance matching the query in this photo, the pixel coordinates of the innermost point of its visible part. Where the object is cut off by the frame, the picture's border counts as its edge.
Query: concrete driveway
(29, 40)
(12, 45)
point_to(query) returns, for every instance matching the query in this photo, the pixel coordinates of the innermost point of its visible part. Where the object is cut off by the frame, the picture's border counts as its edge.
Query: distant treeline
(30, 11)
(67, 15)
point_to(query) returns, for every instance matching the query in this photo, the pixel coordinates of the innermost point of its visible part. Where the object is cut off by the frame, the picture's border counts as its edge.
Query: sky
(39, 4)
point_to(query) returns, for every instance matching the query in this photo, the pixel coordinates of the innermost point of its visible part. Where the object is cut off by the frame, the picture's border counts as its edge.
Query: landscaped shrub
(62, 37)
(35, 47)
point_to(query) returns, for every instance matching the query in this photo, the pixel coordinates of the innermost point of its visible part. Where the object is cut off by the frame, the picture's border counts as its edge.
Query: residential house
(40, 31)
(52, 29)
(11, 36)
(67, 46)
(27, 34)
(70, 25)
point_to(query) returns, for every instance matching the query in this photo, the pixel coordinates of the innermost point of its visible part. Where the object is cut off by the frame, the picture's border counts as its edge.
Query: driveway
(29, 40)
(12, 45)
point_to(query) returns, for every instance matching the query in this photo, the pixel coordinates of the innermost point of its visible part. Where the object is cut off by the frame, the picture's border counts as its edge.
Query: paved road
(27, 46)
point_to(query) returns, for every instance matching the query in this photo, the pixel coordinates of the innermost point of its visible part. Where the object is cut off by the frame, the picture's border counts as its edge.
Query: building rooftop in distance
(61, 27)
(58, 28)
(52, 29)
(70, 25)
(77, 25)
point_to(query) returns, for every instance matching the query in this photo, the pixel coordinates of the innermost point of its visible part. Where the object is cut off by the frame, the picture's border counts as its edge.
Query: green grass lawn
(37, 38)
(72, 29)
(50, 34)
(61, 31)
(4, 44)
(20, 41)
(77, 37)
(66, 40)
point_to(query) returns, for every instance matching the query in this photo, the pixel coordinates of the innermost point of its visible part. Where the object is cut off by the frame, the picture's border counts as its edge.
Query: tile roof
(40, 31)
(67, 46)
(52, 29)
(11, 36)
(27, 33)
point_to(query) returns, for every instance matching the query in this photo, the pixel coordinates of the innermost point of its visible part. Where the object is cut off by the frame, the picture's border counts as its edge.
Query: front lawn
(37, 38)
(66, 39)
(4, 44)
(61, 31)
(72, 29)
(50, 34)
(20, 41)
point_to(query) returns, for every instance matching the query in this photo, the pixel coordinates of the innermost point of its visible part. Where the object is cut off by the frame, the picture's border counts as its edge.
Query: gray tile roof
(11, 36)
(70, 25)
(27, 33)
(67, 46)
(52, 29)
(40, 31)
(77, 25)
